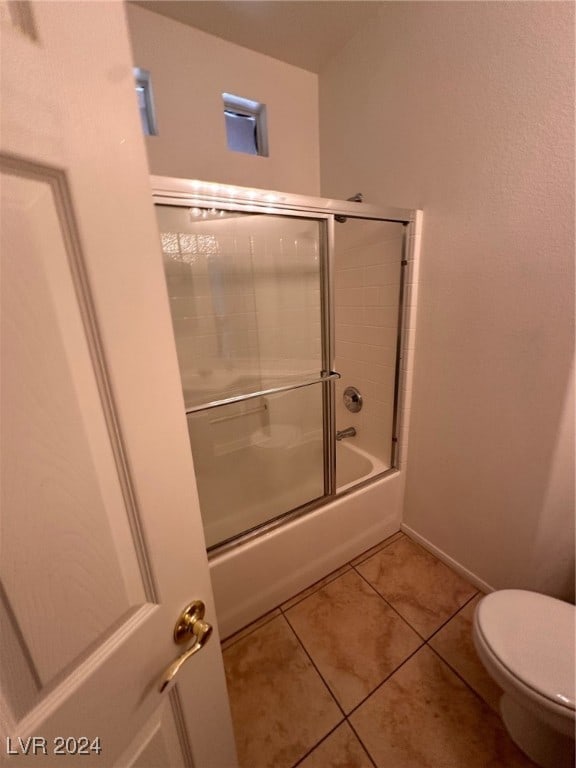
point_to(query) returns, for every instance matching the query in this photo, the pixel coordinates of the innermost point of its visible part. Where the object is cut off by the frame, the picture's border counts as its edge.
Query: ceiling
(305, 34)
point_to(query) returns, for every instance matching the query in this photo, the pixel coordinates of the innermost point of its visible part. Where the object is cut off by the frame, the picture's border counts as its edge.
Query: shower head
(357, 198)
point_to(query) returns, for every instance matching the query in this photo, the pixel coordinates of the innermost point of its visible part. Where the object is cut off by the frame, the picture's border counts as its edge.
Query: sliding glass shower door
(249, 307)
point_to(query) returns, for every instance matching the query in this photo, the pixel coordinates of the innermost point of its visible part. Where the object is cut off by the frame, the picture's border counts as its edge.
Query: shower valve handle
(189, 624)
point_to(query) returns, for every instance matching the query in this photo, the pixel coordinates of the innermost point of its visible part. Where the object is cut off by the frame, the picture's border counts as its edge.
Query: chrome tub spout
(348, 432)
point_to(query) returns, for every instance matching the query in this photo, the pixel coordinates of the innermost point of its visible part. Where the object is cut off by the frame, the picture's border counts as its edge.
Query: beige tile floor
(373, 666)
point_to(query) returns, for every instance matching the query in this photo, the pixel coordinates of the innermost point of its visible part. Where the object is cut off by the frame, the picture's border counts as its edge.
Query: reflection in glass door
(248, 308)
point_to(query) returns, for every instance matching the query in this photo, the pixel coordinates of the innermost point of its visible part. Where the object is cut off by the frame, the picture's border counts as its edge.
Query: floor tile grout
(389, 604)
(333, 575)
(355, 732)
(397, 669)
(283, 610)
(424, 642)
(459, 676)
(300, 641)
(452, 616)
(347, 716)
(247, 629)
(407, 621)
(375, 549)
(328, 580)
(388, 676)
(322, 740)
(321, 584)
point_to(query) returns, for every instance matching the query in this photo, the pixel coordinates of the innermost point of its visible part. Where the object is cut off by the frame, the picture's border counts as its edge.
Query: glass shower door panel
(367, 276)
(244, 295)
(257, 459)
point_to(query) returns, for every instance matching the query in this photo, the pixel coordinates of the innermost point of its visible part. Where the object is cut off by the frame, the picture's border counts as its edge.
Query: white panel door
(101, 540)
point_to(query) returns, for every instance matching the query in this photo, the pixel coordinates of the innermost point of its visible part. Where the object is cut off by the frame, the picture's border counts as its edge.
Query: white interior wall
(190, 70)
(466, 110)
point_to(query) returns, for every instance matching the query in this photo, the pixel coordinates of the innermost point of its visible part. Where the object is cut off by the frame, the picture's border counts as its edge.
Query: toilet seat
(531, 637)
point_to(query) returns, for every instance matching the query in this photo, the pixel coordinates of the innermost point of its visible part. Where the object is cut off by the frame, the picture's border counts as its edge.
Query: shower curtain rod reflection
(332, 375)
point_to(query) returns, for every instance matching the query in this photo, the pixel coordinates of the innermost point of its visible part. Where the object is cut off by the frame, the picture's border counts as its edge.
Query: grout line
(229, 642)
(376, 549)
(458, 675)
(323, 739)
(355, 732)
(453, 615)
(418, 632)
(279, 611)
(389, 604)
(297, 636)
(315, 587)
(365, 699)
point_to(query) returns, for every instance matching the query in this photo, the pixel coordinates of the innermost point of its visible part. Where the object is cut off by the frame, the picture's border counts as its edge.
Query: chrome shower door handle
(189, 624)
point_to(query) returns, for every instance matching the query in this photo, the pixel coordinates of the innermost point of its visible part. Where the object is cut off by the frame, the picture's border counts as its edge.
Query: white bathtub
(256, 576)
(355, 465)
(242, 488)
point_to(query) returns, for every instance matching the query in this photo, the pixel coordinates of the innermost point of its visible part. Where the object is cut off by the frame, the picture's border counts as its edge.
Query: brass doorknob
(189, 625)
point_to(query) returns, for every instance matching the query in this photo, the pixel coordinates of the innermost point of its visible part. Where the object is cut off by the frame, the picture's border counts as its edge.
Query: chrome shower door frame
(195, 193)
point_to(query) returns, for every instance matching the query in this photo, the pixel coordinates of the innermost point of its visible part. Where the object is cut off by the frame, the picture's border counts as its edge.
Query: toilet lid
(534, 637)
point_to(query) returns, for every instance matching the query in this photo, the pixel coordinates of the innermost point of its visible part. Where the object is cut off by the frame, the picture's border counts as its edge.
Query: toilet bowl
(526, 641)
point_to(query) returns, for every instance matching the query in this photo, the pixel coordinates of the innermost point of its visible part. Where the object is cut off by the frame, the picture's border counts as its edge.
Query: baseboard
(441, 555)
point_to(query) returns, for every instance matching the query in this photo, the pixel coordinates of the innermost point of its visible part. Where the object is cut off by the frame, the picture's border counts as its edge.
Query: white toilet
(526, 641)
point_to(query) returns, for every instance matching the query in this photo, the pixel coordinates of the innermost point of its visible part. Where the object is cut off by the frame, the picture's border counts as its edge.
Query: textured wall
(466, 110)
(190, 71)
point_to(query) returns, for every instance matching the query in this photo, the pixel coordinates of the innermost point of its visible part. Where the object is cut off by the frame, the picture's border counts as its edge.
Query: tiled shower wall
(367, 285)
